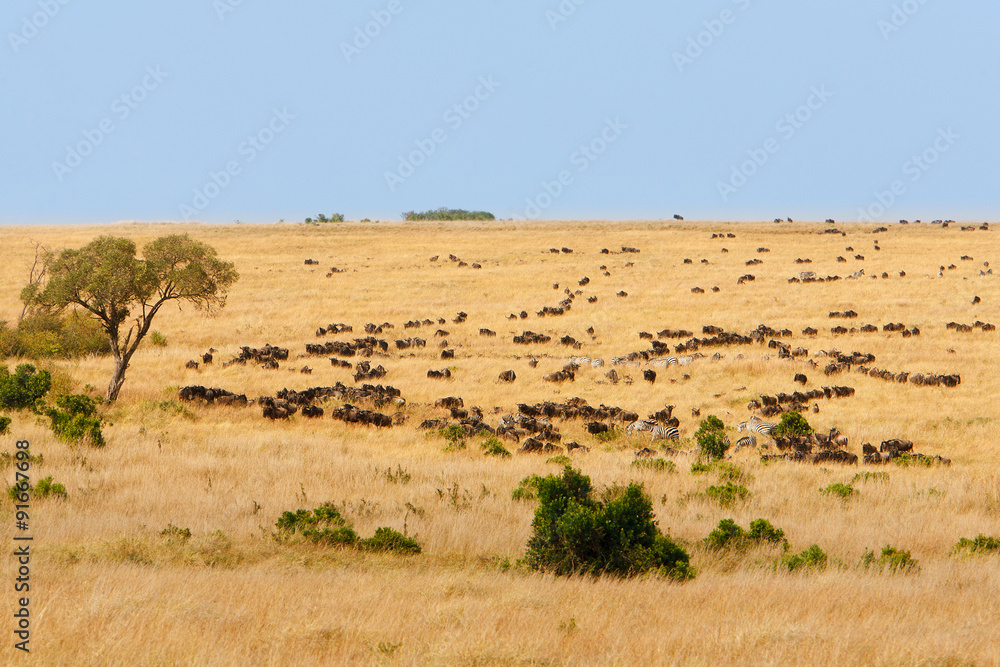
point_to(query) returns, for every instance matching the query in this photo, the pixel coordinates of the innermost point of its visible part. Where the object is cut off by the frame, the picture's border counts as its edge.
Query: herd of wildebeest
(535, 428)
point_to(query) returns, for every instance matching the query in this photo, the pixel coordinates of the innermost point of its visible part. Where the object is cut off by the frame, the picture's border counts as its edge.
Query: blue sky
(557, 109)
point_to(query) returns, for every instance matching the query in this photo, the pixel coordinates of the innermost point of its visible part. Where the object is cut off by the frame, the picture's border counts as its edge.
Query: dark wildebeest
(508, 376)
(649, 375)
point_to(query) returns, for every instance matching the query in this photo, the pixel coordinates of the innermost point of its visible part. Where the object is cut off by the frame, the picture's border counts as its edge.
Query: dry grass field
(109, 589)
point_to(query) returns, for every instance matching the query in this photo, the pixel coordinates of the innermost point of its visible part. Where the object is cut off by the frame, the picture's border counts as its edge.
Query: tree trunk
(117, 380)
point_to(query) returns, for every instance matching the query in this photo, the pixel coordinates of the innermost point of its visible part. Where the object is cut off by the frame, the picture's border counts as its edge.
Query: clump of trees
(321, 217)
(711, 438)
(447, 214)
(615, 533)
(122, 293)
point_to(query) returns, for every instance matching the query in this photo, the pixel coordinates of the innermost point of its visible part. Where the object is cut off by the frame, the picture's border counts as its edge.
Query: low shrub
(175, 533)
(158, 339)
(44, 488)
(49, 335)
(7, 459)
(793, 423)
(75, 419)
(23, 389)
(892, 559)
(387, 539)
(906, 460)
(616, 534)
(842, 491)
(4, 425)
(455, 435)
(730, 535)
(727, 494)
(527, 488)
(870, 477)
(323, 525)
(982, 544)
(561, 460)
(711, 438)
(812, 558)
(608, 436)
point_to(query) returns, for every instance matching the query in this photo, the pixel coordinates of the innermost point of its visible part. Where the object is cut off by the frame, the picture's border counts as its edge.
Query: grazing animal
(641, 425)
(800, 378)
(756, 425)
(649, 376)
(191, 364)
(661, 432)
(746, 441)
(508, 376)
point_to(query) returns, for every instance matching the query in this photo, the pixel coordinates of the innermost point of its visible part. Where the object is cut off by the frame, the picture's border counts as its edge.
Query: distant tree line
(443, 214)
(336, 217)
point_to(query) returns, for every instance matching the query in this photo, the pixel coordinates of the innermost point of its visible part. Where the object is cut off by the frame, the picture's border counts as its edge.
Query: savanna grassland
(108, 587)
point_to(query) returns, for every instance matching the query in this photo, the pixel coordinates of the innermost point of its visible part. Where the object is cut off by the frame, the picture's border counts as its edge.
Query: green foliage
(400, 476)
(870, 477)
(323, 525)
(44, 488)
(729, 535)
(321, 218)
(906, 460)
(527, 488)
(75, 419)
(711, 438)
(812, 558)
(656, 465)
(446, 214)
(576, 533)
(455, 435)
(7, 459)
(980, 545)
(608, 436)
(493, 447)
(727, 494)
(174, 533)
(699, 468)
(49, 335)
(4, 425)
(793, 423)
(560, 460)
(387, 539)
(158, 339)
(842, 491)
(24, 388)
(893, 559)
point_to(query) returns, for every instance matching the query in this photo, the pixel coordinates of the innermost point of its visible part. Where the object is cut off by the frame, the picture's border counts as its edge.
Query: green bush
(493, 447)
(4, 425)
(906, 460)
(893, 559)
(387, 539)
(455, 435)
(576, 533)
(811, 558)
(158, 339)
(608, 436)
(75, 418)
(980, 545)
(870, 477)
(323, 525)
(726, 534)
(175, 533)
(527, 488)
(561, 460)
(7, 459)
(842, 491)
(48, 335)
(727, 494)
(23, 389)
(711, 438)
(657, 465)
(793, 423)
(336, 217)
(45, 488)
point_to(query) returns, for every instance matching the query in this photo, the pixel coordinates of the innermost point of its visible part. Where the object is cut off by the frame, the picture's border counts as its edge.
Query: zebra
(641, 425)
(664, 361)
(661, 432)
(757, 426)
(746, 441)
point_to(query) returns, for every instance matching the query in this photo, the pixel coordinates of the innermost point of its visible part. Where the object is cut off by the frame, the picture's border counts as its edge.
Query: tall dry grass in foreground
(109, 589)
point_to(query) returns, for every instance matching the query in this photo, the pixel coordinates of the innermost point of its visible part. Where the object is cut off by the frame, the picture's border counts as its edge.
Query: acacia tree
(123, 292)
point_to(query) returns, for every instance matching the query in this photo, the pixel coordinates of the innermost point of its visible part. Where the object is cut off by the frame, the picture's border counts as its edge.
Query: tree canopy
(124, 292)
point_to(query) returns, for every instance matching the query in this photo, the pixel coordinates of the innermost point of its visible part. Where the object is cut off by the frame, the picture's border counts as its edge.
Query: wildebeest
(649, 375)
(800, 378)
(560, 376)
(192, 364)
(507, 376)
(442, 374)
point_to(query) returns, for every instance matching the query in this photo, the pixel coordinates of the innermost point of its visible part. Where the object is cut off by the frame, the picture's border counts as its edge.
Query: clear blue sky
(122, 110)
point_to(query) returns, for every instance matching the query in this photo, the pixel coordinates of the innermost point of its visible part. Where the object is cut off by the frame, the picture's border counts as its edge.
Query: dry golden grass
(109, 589)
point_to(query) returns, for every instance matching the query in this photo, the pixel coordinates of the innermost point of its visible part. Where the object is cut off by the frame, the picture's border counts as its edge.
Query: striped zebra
(757, 426)
(746, 441)
(641, 425)
(664, 361)
(661, 432)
